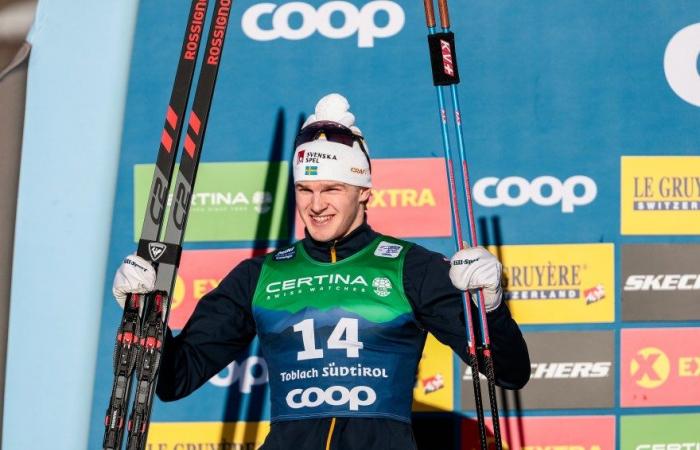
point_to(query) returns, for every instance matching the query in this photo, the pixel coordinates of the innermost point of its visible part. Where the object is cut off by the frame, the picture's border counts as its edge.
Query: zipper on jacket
(330, 434)
(334, 257)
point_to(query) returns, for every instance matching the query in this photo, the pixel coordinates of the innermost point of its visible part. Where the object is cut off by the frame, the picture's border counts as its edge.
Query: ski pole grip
(444, 14)
(429, 13)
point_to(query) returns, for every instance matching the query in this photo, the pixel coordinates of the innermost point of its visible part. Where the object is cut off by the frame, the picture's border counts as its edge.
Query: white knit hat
(324, 160)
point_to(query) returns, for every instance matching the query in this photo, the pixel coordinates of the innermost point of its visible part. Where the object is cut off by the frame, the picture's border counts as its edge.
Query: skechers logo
(361, 22)
(666, 282)
(333, 396)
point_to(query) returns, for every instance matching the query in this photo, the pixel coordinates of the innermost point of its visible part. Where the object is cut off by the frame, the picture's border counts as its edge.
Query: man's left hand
(475, 268)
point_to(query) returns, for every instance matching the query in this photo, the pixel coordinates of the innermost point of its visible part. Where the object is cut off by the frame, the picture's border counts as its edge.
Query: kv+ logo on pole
(269, 21)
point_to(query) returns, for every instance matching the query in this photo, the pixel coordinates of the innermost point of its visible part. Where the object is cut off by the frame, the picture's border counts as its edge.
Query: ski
(128, 335)
(166, 253)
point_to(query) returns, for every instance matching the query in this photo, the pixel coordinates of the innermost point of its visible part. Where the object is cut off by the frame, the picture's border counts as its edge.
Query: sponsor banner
(544, 191)
(559, 283)
(660, 432)
(207, 435)
(661, 282)
(568, 370)
(434, 390)
(546, 433)
(660, 195)
(231, 201)
(201, 271)
(660, 367)
(409, 198)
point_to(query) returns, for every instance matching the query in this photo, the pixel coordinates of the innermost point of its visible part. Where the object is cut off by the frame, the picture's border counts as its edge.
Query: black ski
(166, 253)
(128, 336)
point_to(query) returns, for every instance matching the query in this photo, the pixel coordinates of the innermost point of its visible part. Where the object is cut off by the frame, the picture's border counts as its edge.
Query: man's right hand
(134, 276)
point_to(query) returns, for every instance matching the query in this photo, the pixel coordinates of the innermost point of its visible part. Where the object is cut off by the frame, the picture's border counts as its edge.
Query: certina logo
(650, 368)
(259, 201)
(670, 446)
(257, 19)
(317, 283)
(570, 370)
(334, 396)
(680, 64)
(250, 372)
(665, 282)
(546, 190)
(667, 193)
(382, 286)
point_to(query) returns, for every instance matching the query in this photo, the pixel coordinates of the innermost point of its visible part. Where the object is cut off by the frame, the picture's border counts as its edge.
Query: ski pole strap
(160, 252)
(443, 58)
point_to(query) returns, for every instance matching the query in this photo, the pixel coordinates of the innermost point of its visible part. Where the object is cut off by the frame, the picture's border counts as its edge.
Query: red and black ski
(140, 336)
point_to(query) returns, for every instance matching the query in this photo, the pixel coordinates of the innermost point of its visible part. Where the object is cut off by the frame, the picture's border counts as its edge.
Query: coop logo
(269, 21)
(334, 396)
(570, 370)
(545, 190)
(680, 64)
(250, 372)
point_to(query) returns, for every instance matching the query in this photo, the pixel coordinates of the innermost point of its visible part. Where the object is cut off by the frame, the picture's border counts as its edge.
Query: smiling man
(341, 315)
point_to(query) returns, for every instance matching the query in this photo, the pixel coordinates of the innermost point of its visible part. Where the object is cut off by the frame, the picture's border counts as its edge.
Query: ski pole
(483, 325)
(444, 72)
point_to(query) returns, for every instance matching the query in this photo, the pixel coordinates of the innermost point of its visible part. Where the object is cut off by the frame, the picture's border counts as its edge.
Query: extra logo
(156, 250)
(660, 195)
(269, 21)
(546, 190)
(660, 367)
(314, 397)
(650, 368)
(382, 286)
(388, 250)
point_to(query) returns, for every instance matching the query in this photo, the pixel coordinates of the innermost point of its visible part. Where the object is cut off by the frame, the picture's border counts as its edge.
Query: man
(341, 315)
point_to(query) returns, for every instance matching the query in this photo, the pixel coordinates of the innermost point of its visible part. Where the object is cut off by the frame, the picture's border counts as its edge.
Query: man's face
(330, 210)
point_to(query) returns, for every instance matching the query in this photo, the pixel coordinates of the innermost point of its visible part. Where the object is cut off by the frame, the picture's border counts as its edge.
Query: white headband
(330, 161)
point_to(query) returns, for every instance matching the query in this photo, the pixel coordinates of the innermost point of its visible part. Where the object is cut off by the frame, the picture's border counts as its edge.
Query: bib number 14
(343, 337)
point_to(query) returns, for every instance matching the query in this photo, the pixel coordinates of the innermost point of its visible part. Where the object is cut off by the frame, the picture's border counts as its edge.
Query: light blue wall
(75, 102)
